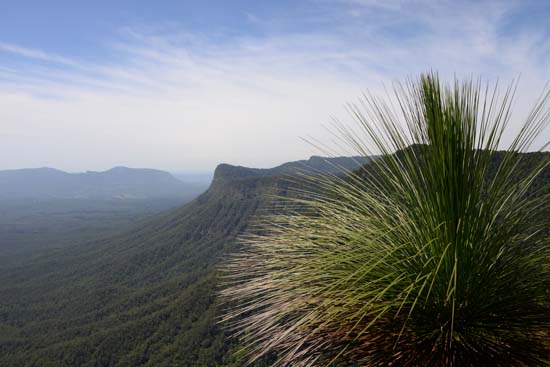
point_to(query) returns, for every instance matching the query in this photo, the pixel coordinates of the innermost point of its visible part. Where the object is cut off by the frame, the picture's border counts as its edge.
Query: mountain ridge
(315, 164)
(117, 182)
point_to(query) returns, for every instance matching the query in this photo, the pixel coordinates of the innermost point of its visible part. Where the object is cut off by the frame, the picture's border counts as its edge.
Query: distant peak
(120, 168)
(36, 170)
(228, 171)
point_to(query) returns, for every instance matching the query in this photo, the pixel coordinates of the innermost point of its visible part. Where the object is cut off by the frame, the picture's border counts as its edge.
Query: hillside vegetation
(143, 298)
(44, 209)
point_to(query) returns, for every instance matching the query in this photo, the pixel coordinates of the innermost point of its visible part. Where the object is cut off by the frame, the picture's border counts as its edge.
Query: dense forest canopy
(146, 296)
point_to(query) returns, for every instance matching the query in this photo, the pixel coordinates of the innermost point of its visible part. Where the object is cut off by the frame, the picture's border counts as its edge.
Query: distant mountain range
(134, 183)
(116, 183)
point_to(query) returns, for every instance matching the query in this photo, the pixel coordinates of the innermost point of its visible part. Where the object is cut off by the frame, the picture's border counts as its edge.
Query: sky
(186, 85)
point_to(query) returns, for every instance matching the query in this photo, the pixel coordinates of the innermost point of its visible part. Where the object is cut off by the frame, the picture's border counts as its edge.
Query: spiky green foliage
(431, 256)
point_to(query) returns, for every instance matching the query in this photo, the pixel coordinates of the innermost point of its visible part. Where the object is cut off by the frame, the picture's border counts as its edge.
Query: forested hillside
(30, 227)
(146, 297)
(45, 209)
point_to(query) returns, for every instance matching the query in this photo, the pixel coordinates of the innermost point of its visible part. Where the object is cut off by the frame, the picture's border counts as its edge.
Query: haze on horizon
(187, 85)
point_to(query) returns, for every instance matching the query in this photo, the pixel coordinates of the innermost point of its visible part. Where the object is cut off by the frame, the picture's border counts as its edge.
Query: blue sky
(81, 28)
(189, 84)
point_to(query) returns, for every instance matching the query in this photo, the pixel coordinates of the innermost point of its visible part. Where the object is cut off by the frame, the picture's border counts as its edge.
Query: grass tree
(434, 254)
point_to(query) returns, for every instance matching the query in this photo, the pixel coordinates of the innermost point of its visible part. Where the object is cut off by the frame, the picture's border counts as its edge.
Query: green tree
(434, 255)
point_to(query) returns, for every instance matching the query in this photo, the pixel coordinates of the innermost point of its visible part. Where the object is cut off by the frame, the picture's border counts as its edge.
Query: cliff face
(313, 165)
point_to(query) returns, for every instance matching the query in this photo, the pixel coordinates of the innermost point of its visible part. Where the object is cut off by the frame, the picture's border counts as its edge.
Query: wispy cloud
(167, 97)
(35, 54)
